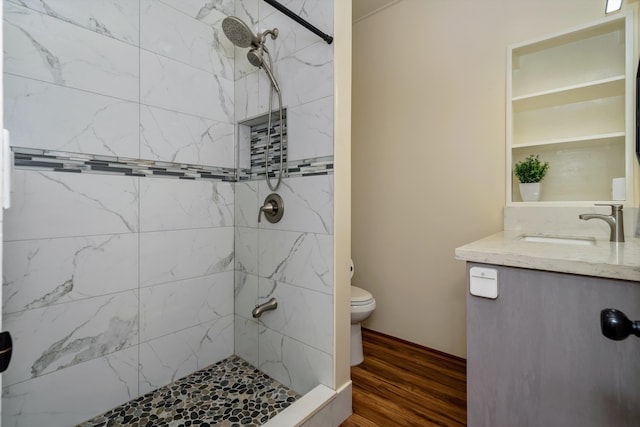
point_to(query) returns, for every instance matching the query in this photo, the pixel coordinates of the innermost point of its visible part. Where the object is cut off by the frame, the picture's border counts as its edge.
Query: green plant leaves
(531, 169)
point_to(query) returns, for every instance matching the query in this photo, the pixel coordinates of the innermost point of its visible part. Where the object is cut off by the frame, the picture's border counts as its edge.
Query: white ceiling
(363, 8)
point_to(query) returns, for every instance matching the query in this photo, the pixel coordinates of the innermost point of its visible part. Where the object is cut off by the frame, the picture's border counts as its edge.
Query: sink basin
(581, 241)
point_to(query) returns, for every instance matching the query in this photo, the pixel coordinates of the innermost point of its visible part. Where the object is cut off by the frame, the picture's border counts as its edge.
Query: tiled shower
(119, 280)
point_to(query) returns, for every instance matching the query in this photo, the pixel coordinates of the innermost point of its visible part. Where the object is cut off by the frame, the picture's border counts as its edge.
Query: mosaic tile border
(29, 158)
(229, 393)
(305, 167)
(61, 161)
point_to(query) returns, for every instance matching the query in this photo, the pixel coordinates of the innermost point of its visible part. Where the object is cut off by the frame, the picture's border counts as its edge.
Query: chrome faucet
(614, 220)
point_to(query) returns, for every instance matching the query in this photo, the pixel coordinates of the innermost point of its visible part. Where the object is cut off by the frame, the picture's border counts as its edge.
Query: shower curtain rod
(300, 21)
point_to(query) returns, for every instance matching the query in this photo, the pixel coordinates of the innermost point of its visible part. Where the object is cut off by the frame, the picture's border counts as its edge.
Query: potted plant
(530, 172)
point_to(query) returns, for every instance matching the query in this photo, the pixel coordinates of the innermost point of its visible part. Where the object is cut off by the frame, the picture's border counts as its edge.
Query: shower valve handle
(273, 208)
(268, 209)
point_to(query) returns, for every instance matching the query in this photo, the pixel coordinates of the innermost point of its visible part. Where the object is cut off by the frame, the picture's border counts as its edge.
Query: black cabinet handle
(616, 326)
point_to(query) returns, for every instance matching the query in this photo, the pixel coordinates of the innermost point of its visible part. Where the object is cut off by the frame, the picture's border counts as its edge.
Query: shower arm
(300, 21)
(263, 35)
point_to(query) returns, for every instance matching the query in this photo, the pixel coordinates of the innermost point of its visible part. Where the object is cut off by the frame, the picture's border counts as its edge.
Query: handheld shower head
(256, 58)
(238, 32)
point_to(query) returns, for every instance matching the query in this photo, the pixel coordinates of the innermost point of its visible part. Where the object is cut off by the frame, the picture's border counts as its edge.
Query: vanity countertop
(604, 259)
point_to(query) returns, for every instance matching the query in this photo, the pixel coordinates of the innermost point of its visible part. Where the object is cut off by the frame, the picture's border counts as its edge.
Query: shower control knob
(616, 326)
(273, 208)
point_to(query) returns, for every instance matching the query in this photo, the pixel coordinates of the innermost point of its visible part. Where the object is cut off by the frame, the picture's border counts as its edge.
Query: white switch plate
(483, 282)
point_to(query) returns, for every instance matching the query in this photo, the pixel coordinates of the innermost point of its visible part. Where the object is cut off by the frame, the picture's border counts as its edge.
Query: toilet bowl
(362, 305)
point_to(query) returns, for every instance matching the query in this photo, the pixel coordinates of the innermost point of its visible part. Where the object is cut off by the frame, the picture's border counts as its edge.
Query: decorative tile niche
(252, 142)
(252, 137)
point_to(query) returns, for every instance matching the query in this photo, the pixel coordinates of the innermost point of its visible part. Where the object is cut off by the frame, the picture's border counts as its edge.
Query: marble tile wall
(144, 79)
(128, 282)
(293, 262)
(160, 294)
(293, 259)
(115, 285)
(303, 67)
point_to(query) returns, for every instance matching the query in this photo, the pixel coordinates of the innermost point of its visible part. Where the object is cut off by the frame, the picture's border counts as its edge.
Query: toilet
(362, 305)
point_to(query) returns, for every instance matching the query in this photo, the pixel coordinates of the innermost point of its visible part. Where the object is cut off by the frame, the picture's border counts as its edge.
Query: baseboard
(412, 344)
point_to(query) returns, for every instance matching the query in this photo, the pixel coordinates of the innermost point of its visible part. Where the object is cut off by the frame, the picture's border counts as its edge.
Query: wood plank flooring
(403, 384)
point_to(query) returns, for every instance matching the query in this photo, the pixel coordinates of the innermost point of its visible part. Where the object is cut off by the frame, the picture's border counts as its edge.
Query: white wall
(429, 150)
(342, 202)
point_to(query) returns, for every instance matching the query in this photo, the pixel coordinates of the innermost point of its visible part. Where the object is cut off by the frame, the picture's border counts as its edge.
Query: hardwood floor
(403, 384)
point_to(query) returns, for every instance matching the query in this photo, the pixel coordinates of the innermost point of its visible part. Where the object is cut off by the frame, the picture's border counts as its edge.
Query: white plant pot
(530, 192)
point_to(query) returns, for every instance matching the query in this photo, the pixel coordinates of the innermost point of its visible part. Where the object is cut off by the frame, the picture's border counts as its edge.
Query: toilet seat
(360, 297)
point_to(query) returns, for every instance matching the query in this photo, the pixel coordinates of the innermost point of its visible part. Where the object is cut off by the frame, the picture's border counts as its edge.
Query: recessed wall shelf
(596, 139)
(570, 94)
(570, 100)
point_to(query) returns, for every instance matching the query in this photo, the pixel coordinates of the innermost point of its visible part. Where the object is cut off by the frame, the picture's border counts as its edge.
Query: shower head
(241, 35)
(256, 58)
(238, 32)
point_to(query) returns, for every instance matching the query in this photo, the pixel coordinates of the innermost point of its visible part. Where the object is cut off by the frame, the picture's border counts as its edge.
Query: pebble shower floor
(229, 393)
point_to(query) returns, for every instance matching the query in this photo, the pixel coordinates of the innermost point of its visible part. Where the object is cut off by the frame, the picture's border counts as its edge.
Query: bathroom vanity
(535, 354)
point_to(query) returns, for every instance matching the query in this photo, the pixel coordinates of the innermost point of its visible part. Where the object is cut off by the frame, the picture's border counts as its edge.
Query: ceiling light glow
(613, 6)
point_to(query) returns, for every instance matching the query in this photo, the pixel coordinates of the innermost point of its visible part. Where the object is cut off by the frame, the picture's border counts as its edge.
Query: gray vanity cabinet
(536, 355)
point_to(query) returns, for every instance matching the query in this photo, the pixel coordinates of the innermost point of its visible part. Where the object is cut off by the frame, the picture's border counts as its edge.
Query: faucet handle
(273, 208)
(614, 206)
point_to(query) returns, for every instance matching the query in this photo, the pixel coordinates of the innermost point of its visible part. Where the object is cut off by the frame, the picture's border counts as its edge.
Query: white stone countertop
(603, 259)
